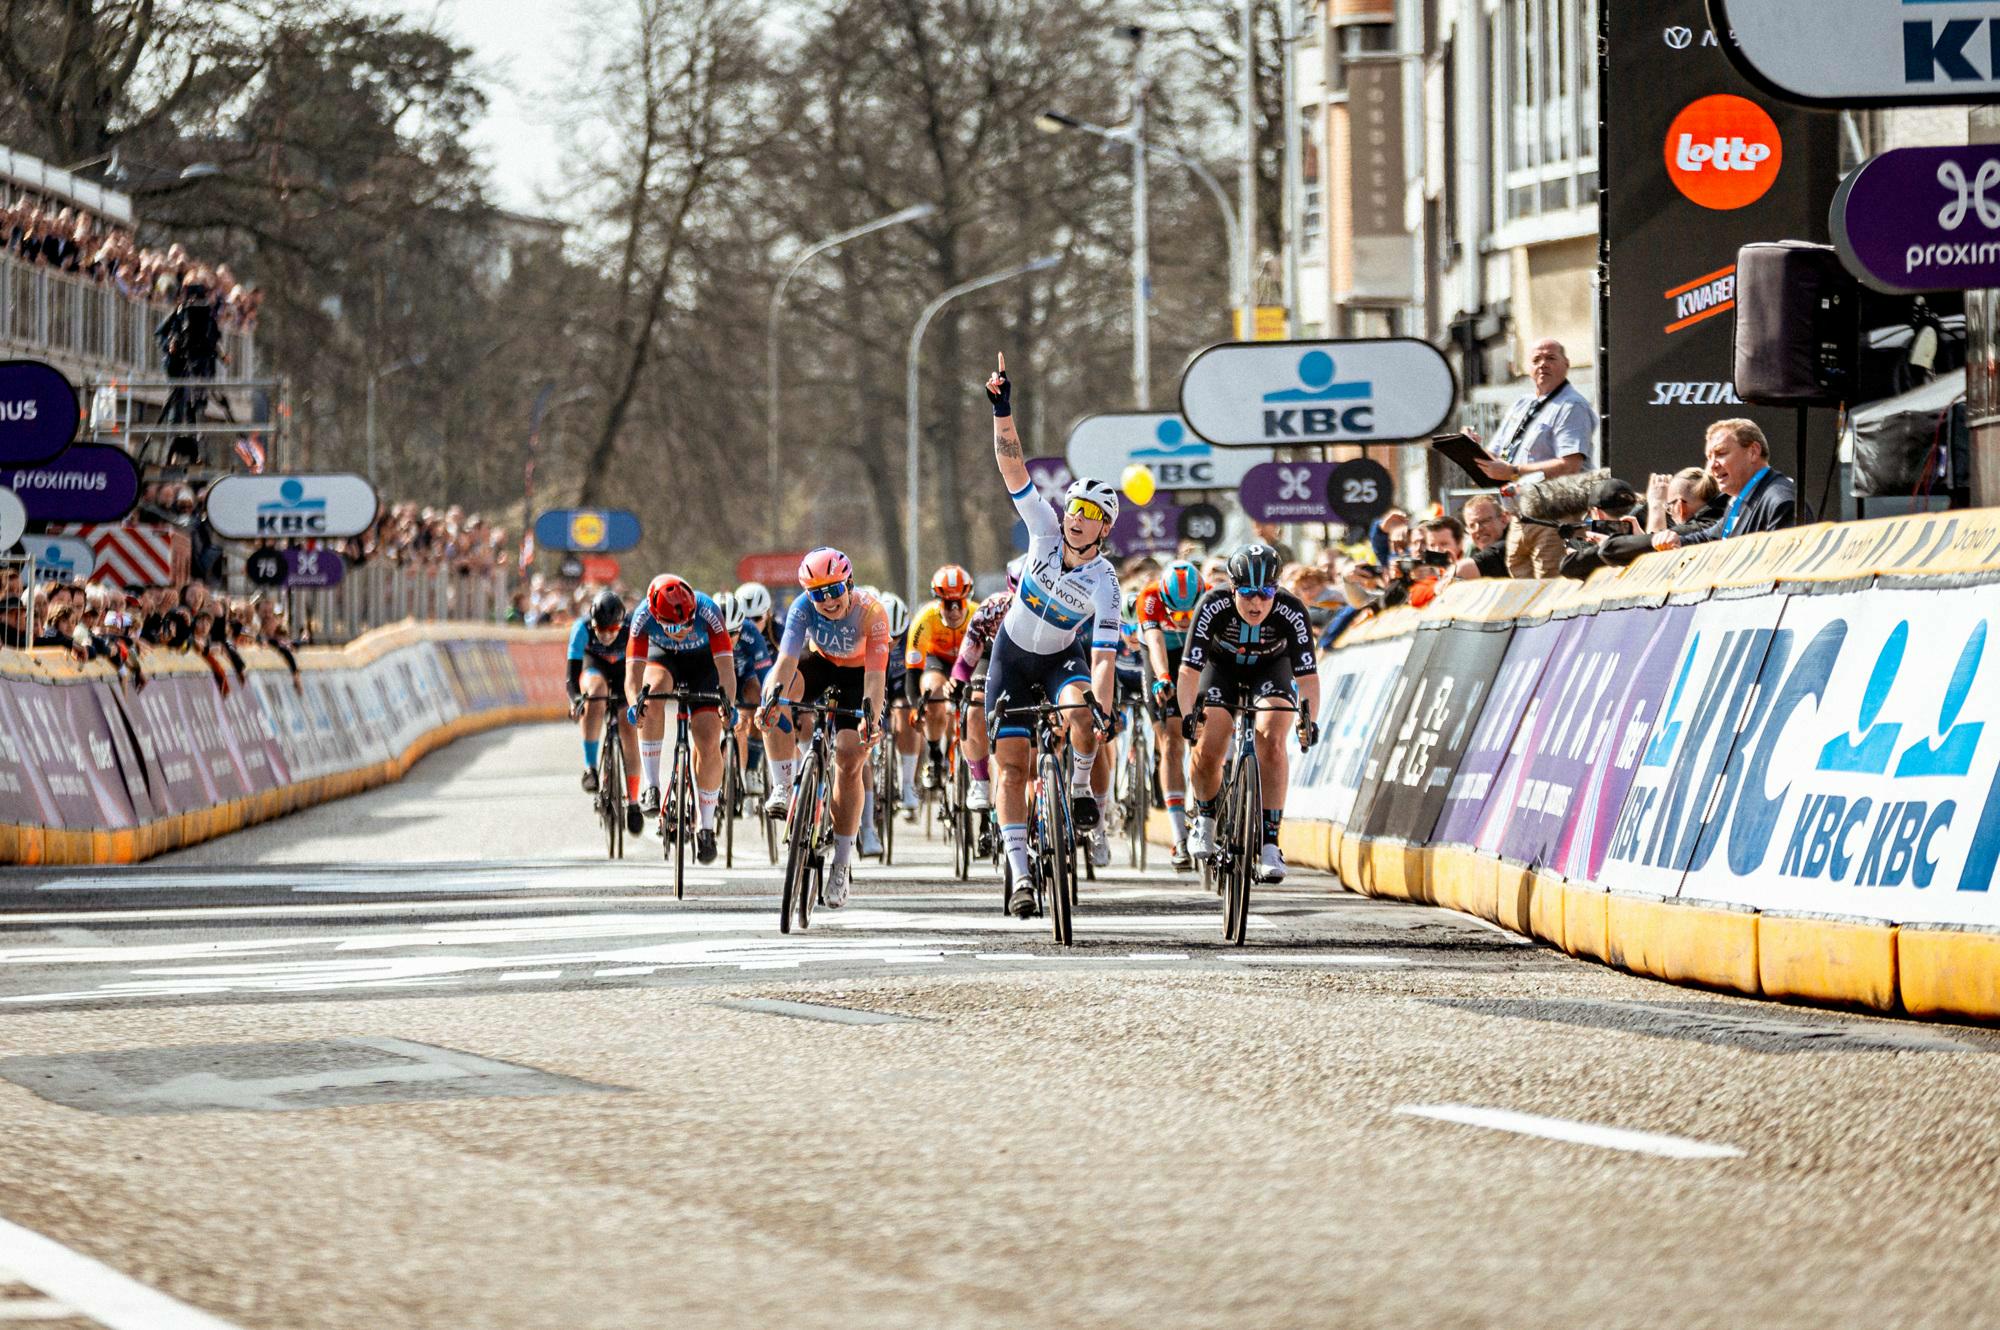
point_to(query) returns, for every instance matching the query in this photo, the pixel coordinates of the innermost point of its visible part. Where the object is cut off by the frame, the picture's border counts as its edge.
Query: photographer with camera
(190, 342)
(1610, 535)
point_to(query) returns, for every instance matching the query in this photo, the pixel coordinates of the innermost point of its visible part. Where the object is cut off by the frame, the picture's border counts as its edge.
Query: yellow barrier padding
(1827, 960)
(1305, 844)
(1546, 909)
(1948, 971)
(1711, 945)
(1513, 896)
(1634, 933)
(1584, 921)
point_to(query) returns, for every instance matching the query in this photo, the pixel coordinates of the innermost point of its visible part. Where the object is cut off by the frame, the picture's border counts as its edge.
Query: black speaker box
(1798, 325)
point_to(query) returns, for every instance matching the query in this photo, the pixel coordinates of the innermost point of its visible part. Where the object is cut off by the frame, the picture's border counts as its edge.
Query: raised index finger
(1003, 362)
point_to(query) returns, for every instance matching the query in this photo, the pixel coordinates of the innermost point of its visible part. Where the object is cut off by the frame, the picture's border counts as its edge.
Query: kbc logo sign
(1724, 152)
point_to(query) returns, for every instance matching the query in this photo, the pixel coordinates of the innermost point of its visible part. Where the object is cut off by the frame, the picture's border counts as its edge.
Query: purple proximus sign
(1922, 219)
(90, 482)
(1287, 492)
(314, 568)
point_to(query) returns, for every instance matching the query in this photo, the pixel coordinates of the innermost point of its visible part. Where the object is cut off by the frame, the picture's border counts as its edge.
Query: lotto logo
(1724, 152)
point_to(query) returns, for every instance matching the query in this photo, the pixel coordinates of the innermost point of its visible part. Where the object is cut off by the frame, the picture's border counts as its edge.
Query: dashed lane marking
(1578, 1133)
(90, 1288)
(813, 1011)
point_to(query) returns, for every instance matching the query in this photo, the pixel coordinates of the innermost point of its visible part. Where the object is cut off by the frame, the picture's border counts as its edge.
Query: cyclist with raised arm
(679, 640)
(1166, 607)
(836, 638)
(936, 633)
(597, 647)
(1248, 645)
(1068, 596)
(968, 685)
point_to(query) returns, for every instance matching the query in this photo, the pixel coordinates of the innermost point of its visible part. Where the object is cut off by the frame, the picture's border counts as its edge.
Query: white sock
(1079, 782)
(704, 808)
(649, 761)
(1015, 837)
(868, 806)
(1177, 813)
(843, 849)
(909, 761)
(783, 769)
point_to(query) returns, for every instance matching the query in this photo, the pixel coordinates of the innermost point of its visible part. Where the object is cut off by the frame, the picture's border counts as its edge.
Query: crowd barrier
(94, 769)
(1770, 765)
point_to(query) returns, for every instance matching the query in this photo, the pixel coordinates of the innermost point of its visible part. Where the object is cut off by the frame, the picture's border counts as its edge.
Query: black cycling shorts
(1225, 683)
(848, 682)
(614, 679)
(693, 670)
(1023, 678)
(934, 663)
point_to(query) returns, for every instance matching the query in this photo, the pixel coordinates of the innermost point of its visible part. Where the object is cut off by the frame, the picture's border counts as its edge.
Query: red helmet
(825, 566)
(671, 599)
(951, 582)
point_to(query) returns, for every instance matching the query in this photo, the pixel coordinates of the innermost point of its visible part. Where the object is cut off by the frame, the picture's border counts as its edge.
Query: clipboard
(1466, 455)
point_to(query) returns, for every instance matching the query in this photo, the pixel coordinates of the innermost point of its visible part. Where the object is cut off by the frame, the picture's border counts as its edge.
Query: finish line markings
(1577, 1133)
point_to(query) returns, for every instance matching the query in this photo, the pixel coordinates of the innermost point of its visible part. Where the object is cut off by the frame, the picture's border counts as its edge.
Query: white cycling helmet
(899, 613)
(1093, 491)
(754, 598)
(732, 610)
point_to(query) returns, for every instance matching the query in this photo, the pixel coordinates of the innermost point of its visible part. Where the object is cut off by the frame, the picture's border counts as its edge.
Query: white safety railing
(45, 312)
(380, 592)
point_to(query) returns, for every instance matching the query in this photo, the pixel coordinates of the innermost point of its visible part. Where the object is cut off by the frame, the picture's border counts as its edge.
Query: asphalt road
(423, 1058)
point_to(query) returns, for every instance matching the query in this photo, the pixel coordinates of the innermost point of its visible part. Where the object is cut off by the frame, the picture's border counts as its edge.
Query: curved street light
(915, 213)
(910, 388)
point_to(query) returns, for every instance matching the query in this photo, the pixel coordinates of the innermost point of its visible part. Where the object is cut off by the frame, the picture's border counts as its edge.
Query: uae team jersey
(1055, 604)
(858, 638)
(1220, 635)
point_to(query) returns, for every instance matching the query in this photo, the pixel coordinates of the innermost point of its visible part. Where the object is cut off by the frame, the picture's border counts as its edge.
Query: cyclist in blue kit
(597, 647)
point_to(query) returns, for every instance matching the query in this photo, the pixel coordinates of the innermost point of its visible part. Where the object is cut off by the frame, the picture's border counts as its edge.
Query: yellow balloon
(1138, 483)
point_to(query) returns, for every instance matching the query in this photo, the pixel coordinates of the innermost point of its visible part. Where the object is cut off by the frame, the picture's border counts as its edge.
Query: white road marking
(36, 1309)
(1253, 959)
(208, 912)
(1580, 1133)
(94, 1289)
(622, 971)
(526, 976)
(1157, 956)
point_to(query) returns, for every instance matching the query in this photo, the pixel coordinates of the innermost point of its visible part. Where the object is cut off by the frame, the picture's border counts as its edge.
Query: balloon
(1138, 484)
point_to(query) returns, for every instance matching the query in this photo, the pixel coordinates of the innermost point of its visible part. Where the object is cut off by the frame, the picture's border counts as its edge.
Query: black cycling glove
(1001, 397)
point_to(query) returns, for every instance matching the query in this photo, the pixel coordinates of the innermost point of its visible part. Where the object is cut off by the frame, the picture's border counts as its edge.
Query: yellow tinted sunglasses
(1088, 509)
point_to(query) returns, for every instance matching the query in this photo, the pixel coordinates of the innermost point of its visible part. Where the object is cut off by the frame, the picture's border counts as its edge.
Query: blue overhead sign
(588, 530)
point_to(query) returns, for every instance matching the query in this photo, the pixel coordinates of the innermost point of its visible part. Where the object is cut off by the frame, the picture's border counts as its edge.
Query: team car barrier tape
(1770, 764)
(94, 769)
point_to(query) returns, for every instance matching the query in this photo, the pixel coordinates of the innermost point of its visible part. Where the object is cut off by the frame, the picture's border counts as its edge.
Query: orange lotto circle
(1724, 152)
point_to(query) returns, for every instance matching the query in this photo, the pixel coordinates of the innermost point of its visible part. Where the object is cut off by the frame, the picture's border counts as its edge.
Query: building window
(1544, 68)
(1312, 201)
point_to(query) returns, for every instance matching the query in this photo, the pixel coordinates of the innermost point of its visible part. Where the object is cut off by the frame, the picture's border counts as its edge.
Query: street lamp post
(912, 214)
(1246, 197)
(1053, 121)
(910, 390)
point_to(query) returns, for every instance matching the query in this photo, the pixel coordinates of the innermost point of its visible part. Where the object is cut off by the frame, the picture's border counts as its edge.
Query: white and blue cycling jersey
(754, 653)
(705, 631)
(1056, 605)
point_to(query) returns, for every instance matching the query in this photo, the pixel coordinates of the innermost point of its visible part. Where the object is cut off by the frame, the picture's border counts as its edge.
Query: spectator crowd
(71, 241)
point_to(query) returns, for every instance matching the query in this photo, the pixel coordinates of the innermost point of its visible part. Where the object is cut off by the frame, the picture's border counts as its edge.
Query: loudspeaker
(1798, 325)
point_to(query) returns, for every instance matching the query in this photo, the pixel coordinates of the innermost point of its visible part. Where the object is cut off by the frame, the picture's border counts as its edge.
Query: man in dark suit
(1760, 498)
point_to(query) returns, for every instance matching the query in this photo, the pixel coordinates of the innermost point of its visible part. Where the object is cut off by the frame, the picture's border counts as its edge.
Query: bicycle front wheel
(732, 795)
(611, 792)
(1247, 819)
(799, 849)
(676, 816)
(1057, 851)
(962, 830)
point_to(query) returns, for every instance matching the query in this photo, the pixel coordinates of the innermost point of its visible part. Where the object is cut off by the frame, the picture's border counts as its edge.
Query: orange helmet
(825, 566)
(951, 582)
(671, 599)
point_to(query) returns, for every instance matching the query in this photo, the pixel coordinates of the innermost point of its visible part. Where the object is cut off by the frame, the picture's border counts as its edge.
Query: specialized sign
(1704, 163)
(90, 482)
(1922, 219)
(66, 557)
(779, 567)
(1386, 390)
(314, 569)
(304, 507)
(1101, 447)
(589, 530)
(39, 412)
(1853, 53)
(13, 519)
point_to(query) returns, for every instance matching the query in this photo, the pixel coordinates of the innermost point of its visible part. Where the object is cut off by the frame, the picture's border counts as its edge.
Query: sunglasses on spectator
(1257, 592)
(1087, 509)
(831, 591)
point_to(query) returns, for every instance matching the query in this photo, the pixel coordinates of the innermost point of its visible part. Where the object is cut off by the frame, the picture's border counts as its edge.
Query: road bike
(1052, 844)
(1239, 811)
(883, 780)
(974, 835)
(1132, 785)
(809, 830)
(731, 804)
(610, 798)
(677, 815)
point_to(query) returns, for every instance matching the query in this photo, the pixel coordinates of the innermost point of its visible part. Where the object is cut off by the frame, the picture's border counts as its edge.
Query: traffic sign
(266, 566)
(1201, 522)
(1287, 492)
(1380, 390)
(39, 412)
(773, 567)
(1360, 490)
(1102, 446)
(588, 530)
(315, 568)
